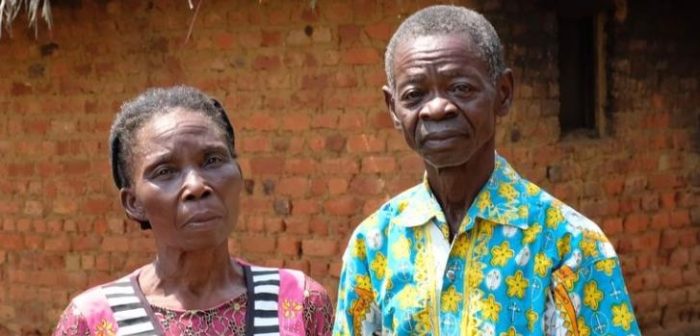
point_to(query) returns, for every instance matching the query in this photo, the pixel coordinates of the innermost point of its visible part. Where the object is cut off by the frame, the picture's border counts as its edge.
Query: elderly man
(474, 249)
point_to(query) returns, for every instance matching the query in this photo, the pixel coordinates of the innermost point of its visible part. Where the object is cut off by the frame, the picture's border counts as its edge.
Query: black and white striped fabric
(263, 292)
(129, 312)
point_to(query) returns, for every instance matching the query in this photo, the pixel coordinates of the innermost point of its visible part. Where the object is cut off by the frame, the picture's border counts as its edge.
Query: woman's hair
(156, 101)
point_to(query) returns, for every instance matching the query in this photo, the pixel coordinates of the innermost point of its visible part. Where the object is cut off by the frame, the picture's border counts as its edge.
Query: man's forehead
(435, 49)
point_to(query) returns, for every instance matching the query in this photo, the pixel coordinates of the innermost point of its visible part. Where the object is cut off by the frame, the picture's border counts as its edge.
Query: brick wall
(317, 149)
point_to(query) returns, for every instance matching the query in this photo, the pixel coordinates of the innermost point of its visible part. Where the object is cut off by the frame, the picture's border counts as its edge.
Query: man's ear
(389, 101)
(133, 208)
(505, 92)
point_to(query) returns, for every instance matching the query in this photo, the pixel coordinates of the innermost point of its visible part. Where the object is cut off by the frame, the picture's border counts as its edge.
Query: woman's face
(185, 181)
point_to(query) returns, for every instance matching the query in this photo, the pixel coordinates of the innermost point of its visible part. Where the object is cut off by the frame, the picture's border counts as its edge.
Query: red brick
(366, 185)
(365, 144)
(342, 166)
(289, 247)
(305, 207)
(297, 225)
(349, 33)
(301, 265)
(319, 247)
(266, 63)
(660, 220)
(267, 165)
(379, 31)
(337, 186)
(344, 205)
(300, 166)
(680, 218)
(679, 257)
(258, 244)
(361, 56)
(294, 186)
(635, 223)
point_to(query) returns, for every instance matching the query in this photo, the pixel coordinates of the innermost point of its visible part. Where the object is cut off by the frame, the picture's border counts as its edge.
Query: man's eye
(412, 95)
(462, 88)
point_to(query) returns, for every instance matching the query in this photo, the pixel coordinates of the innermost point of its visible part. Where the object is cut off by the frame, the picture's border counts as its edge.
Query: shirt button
(451, 275)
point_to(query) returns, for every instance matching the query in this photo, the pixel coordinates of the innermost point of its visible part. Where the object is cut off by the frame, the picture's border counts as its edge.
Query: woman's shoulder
(93, 302)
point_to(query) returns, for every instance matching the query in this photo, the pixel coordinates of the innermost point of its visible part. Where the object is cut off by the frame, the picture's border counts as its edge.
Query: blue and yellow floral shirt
(522, 263)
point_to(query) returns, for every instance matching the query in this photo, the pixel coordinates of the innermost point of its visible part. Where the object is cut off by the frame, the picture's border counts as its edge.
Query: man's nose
(438, 108)
(195, 186)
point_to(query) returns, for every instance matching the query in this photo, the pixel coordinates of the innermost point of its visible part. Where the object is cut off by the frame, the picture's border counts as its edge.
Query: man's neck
(192, 279)
(456, 187)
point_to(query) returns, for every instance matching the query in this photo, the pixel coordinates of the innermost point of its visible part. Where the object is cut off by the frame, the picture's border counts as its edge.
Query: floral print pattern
(522, 263)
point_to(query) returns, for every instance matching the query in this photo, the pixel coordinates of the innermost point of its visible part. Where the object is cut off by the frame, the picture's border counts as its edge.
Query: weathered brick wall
(316, 145)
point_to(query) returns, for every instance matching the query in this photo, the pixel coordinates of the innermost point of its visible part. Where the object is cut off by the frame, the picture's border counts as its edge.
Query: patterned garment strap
(263, 287)
(128, 310)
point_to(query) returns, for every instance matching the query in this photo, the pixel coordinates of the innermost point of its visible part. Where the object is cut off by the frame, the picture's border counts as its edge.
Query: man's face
(444, 100)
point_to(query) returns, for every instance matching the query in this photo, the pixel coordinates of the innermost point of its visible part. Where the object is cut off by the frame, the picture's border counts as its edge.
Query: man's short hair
(444, 20)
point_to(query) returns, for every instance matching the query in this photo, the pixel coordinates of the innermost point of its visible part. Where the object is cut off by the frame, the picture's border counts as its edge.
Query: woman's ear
(134, 209)
(505, 92)
(389, 101)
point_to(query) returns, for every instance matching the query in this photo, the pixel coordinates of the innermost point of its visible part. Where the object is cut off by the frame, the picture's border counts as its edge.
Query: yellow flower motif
(402, 205)
(542, 264)
(501, 254)
(461, 246)
(359, 248)
(589, 247)
(622, 317)
(606, 266)
(487, 228)
(363, 282)
(423, 325)
(474, 274)
(483, 200)
(510, 332)
(592, 295)
(407, 297)
(507, 191)
(516, 284)
(379, 265)
(564, 245)
(290, 308)
(531, 188)
(104, 328)
(531, 317)
(451, 299)
(531, 233)
(523, 211)
(569, 280)
(422, 271)
(583, 329)
(490, 308)
(401, 248)
(554, 217)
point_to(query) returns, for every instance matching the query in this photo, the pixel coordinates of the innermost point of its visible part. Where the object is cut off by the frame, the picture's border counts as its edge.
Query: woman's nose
(195, 186)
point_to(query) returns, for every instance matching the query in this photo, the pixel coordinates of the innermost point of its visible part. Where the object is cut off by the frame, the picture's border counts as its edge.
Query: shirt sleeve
(355, 294)
(591, 300)
(72, 323)
(318, 310)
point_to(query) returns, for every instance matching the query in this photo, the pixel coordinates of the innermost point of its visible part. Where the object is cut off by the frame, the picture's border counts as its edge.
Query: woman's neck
(188, 280)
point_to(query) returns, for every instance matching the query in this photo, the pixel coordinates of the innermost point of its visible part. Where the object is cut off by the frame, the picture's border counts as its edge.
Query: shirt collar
(501, 200)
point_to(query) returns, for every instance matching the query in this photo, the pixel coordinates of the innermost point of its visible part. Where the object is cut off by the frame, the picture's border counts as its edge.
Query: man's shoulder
(390, 209)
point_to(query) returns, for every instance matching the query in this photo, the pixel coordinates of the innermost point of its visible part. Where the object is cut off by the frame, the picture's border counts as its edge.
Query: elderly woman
(174, 163)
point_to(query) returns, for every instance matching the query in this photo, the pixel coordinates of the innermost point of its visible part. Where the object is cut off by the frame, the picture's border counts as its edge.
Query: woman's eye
(213, 159)
(163, 172)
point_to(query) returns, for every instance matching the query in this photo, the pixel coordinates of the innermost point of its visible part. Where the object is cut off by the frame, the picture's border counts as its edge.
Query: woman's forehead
(169, 127)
